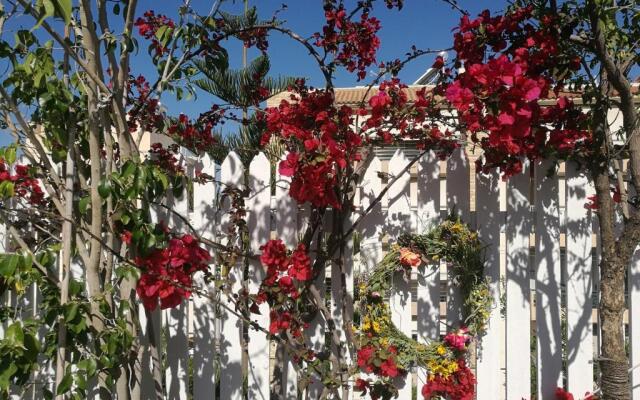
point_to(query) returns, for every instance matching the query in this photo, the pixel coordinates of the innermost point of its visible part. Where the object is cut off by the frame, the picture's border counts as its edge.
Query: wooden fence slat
(176, 323)
(428, 291)
(315, 334)
(259, 226)
(489, 221)
(458, 202)
(231, 377)
(548, 281)
(203, 220)
(579, 282)
(399, 222)
(286, 229)
(370, 228)
(342, 297)
(518, 305)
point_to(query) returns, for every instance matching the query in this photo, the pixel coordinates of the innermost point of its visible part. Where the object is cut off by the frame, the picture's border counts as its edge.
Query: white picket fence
(542, 247)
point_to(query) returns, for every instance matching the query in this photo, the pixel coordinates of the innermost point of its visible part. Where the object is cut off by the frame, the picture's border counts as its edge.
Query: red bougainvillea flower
(167, 274)
(353, 43)
(126, 237)
(592, 204)
(300, 268)
(148, 25)
(361, 385)
(408, 258)
(561, 394)
(459, 339)
(511, 62)
(274, 254)
(24, 185)
(285, 272)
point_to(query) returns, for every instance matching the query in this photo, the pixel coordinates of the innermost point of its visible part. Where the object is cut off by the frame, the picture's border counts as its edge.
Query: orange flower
(409, 258)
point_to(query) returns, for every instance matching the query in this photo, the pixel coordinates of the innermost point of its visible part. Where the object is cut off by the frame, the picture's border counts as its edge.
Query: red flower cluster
(165, 158)
(279, 288)
(458, 386)
(255, 37)
(148, 25)
(197, 137)
(145, 111)
(509, 66)
(23, 184)
(320, 140)
(562, 394)
(592, 204)
(167, 274)
(458, 340)
(354, 43)
(378, 361)
(392, 118)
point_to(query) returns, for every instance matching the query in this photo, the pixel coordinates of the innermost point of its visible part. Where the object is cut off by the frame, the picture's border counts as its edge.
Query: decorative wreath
(386, 352)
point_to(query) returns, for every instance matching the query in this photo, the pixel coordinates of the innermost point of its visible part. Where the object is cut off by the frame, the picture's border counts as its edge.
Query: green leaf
(64, 9)
(71, 311)
(8, 265)
(7, 189)
(116, 9)
(83, 204)
(10, 155)
(7, 370)
(125, 218)
(65, 384)
(104, 189)
(49, 11)
(15, 334)
(128, 169)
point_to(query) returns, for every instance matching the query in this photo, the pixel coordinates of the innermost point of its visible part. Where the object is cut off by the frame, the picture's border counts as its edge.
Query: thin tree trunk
(613, 360)
(67, 240)
(91, 46)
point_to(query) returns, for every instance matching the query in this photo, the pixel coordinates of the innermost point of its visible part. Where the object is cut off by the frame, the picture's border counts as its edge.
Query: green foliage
(237, 88)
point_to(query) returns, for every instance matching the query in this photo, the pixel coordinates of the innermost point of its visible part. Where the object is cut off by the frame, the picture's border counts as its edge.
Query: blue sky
(423, 23)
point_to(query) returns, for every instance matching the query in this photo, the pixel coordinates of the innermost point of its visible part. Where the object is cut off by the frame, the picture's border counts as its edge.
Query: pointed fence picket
(199, 344)
(428, 278)
(489, 223)
(518, 291)
(232, 327)
(548, 281)
(286, 218)
(399, 221)
(458, 202)
(259, 227)
(579, 282)
(205, 338)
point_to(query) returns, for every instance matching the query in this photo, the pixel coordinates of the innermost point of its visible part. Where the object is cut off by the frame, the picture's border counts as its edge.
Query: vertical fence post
(204, 220)
(518, 305)
(399, 222)
(458, 201)
(259, 226)
(548, 281)
(428, 291)
(231, 371)
(489, 222)
(287, 230)
(579, 282)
